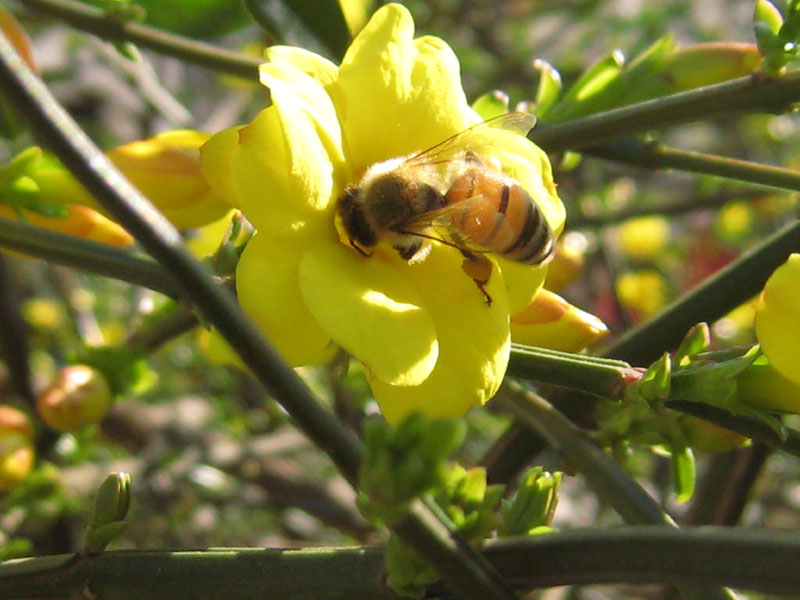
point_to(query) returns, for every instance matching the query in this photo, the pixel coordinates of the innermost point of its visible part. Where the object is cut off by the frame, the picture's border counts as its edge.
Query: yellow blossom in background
(778, 319)
(644, 238)
(16, 446)
(424, 332)
(552, 322)
(568, 262)
(644, 292)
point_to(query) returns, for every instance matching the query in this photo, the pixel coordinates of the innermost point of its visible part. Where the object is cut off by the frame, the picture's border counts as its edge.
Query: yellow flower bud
(16, 446)
(82, 221)
(78, 397)
(703, 64)
(761, 386)
(707, 437)
(18, 38)
(778, 319)
(552, 322)
(166, 169)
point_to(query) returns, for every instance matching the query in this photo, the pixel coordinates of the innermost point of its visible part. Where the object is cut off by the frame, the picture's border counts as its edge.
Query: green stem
(461, 567)
(653, 155)
(711, 300)
(14, 346)
(746, 426)
(754, 93)
(608, 480)
(582, 221)
(159, 329)
(86, 255)
(95, 21)
(593, 375)
(761, 561)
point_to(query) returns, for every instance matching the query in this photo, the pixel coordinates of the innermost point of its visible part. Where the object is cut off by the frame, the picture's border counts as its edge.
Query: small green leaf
(491, 104)
(767, 13)
(20, 165)
(683, 472)
(697, 340)
(549, 86)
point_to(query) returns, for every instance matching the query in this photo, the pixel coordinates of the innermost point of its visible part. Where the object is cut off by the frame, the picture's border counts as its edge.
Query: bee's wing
(460, 224)
(473, 138)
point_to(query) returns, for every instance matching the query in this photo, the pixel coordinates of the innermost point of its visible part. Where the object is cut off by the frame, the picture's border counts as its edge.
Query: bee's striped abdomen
(500, 216)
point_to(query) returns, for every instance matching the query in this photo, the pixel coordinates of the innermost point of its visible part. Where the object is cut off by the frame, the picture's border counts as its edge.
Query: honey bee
(449, 193)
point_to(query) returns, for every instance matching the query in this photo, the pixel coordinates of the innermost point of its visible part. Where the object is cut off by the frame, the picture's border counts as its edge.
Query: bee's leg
(360, 249)
(479, 268)
(407, 250)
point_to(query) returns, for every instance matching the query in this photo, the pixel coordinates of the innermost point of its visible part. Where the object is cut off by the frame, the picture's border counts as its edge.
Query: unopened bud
(16, 446)
(777, 321)
(552, 322)
(78, 397)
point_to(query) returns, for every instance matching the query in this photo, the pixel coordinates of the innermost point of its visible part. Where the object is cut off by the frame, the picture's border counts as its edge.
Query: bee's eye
(354, 220)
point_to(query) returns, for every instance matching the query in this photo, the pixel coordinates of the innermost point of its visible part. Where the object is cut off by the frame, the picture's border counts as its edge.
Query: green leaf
(683, 472)
(767, 13)
(697, 340)
(20, 164)
(491, 104)
(192, 18)
(549, 86)
(318, 26)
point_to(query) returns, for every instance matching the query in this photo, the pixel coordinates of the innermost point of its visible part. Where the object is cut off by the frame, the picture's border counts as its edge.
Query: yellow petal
(552, 322)
(318, 67)
(215, 163)
(292, 89)
(778, 319)
(206, 240)
(523, 282)
(473, 338)
(267, 283)
(283, 166)
(371, 310)
(396, 94)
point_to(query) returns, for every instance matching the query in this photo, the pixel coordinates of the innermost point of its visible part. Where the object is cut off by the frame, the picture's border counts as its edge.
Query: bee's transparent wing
(460, 224)
(474, 138)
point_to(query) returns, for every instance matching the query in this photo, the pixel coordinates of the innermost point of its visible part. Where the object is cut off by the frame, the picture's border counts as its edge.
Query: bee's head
(354, 221)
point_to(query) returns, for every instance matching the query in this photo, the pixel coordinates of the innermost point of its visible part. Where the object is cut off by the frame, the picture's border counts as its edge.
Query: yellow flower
(643, 238)
(424, 331)
(643, 292)
(778, 319)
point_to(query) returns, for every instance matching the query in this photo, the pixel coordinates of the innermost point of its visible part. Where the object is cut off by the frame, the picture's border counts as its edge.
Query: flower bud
(166, 169)
(81, 221)
(778, 319)
(18, 38)
(761, 386)
(567, 264)
(78, 397)
(552, 322)
(16, 446)
(703, 64)
(703, 436)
